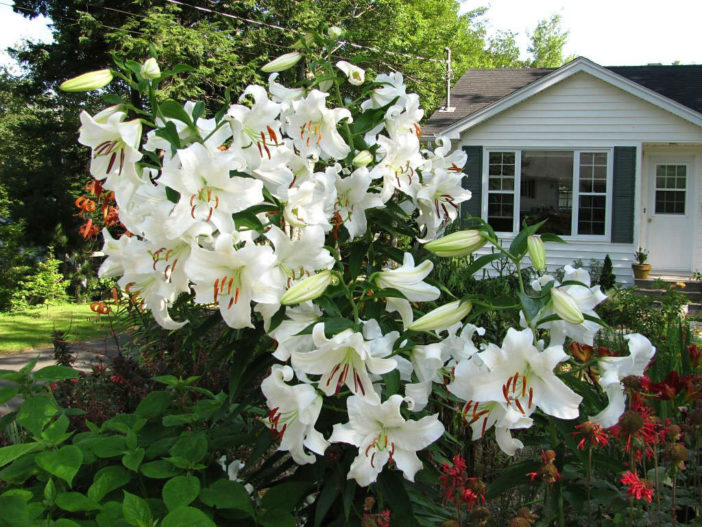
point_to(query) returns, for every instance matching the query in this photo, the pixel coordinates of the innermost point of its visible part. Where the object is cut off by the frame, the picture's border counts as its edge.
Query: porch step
(658, 287)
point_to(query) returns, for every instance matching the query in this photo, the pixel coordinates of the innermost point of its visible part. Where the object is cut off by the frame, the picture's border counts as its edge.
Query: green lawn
(32, 328)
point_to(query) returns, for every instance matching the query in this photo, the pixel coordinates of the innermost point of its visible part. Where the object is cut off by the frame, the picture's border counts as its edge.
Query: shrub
(44, 284)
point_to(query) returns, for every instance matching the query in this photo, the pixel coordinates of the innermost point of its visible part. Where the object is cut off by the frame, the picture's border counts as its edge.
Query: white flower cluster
(237, 210)
(190, 229)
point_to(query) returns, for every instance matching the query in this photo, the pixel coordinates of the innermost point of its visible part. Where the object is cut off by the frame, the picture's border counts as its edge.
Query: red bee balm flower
(592, 435)
(636, 487)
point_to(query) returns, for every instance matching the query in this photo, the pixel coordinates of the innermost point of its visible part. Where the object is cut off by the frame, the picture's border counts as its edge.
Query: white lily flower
(404, 118)
(409, 280)
(294, 411)
(355, 75)
(353, 199)
(115, 144)
(382, 434)
(312, 126)
(302, 256)
(585, 298)
(286, 333)
(285, 96)
(438, 200)
(137, 262)
(207, 192)
(234, 278)
(255, 130)
(518, 375)
(614, 369)
(346, 359)
(312, 202)
(399, 158)
(391, 87)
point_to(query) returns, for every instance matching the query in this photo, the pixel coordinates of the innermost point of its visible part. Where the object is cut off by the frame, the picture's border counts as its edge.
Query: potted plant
(641, 268)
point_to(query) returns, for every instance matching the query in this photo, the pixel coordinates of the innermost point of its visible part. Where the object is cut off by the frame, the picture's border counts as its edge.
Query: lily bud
(335, 32)
(362, 159)
(92, 80)
(565, 307)
(355, 75)
(537, 252)
(308, 289)
(282, 63)
(458, 243)
(150, 69)
(442, 317)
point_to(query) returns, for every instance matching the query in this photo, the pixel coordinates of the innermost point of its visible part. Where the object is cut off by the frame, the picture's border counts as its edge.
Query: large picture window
(568, 189)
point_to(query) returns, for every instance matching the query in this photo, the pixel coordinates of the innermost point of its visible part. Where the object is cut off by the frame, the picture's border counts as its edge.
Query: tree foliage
(547, 42)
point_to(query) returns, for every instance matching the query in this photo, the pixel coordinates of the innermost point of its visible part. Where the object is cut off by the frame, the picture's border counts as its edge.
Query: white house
(610, 156)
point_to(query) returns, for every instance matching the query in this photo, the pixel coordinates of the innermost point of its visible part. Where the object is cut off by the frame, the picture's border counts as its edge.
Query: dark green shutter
(623, 205)
(473, 181)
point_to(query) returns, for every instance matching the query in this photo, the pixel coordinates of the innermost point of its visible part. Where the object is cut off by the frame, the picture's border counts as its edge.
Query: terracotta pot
(641, 270)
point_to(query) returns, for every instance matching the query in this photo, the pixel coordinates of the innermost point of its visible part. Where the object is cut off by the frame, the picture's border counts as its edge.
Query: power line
(280, 28)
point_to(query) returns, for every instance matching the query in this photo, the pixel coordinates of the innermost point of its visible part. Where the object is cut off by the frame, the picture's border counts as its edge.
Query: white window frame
(516, 227)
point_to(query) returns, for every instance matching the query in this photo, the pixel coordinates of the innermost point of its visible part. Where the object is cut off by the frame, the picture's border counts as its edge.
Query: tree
(504, 50)
(547, 42)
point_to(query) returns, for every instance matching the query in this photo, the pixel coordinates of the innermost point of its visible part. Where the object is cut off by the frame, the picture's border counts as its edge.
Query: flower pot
(641, 270)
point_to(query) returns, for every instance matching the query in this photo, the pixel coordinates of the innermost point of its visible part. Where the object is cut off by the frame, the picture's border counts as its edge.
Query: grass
(32, 328)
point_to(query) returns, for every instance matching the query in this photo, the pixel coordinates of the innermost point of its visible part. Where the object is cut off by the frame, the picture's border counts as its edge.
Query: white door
(670, 214)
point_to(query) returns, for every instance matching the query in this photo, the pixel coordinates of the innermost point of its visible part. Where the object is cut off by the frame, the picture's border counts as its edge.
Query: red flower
(637, 488)
(458, 488)
(695, 355)
(592, 435)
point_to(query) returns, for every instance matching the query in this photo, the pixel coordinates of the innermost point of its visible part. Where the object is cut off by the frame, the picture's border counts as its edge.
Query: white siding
(558, 255)
(582, 111)
(585, 112)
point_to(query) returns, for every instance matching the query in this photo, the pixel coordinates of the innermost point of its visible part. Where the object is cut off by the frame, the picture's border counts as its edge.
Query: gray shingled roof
(479, 88)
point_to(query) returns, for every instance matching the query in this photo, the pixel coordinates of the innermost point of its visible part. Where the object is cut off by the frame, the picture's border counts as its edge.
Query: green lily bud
(92, 80)
(442, 317)
(282, 63)
(335, 32)
(565, 307)
(537, 252)
(458, 243)
(362, 159)
(150, 69)
(308, 289)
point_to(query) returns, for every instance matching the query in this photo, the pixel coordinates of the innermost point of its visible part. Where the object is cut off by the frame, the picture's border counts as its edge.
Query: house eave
(581, 64)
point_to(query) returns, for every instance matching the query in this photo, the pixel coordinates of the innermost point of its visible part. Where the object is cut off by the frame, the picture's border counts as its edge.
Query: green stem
(588, 480)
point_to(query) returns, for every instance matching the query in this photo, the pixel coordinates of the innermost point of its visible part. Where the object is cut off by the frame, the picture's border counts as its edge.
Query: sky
(609, 32)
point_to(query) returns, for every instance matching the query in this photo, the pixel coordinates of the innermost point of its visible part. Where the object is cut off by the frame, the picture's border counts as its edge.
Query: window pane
(670, 202)
(552, 176)
(591, 215)
(501, 212)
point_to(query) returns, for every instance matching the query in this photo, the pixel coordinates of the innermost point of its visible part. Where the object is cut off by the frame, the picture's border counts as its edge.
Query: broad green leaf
(180, 491)
(325, 500)
(187, 517)
(35, 414)
(13, 512)
(7, 393)
(63, 463)
(12, 452)
(55, 373)
(160, 469)
(56, 433)
(133, 459)
(172, 195)
(154, 404)
(191, 446)
(105, 446)
(64, 522)
(277, 518)
(106, 480)
(286, 495)
(136, 511)
(174, 110)
(225, 494)
(248, 220)
(392, 487)
(75, 501)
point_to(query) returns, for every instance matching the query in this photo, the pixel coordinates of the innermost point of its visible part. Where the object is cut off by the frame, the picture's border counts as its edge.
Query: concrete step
(659, 283)
(693, 296)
